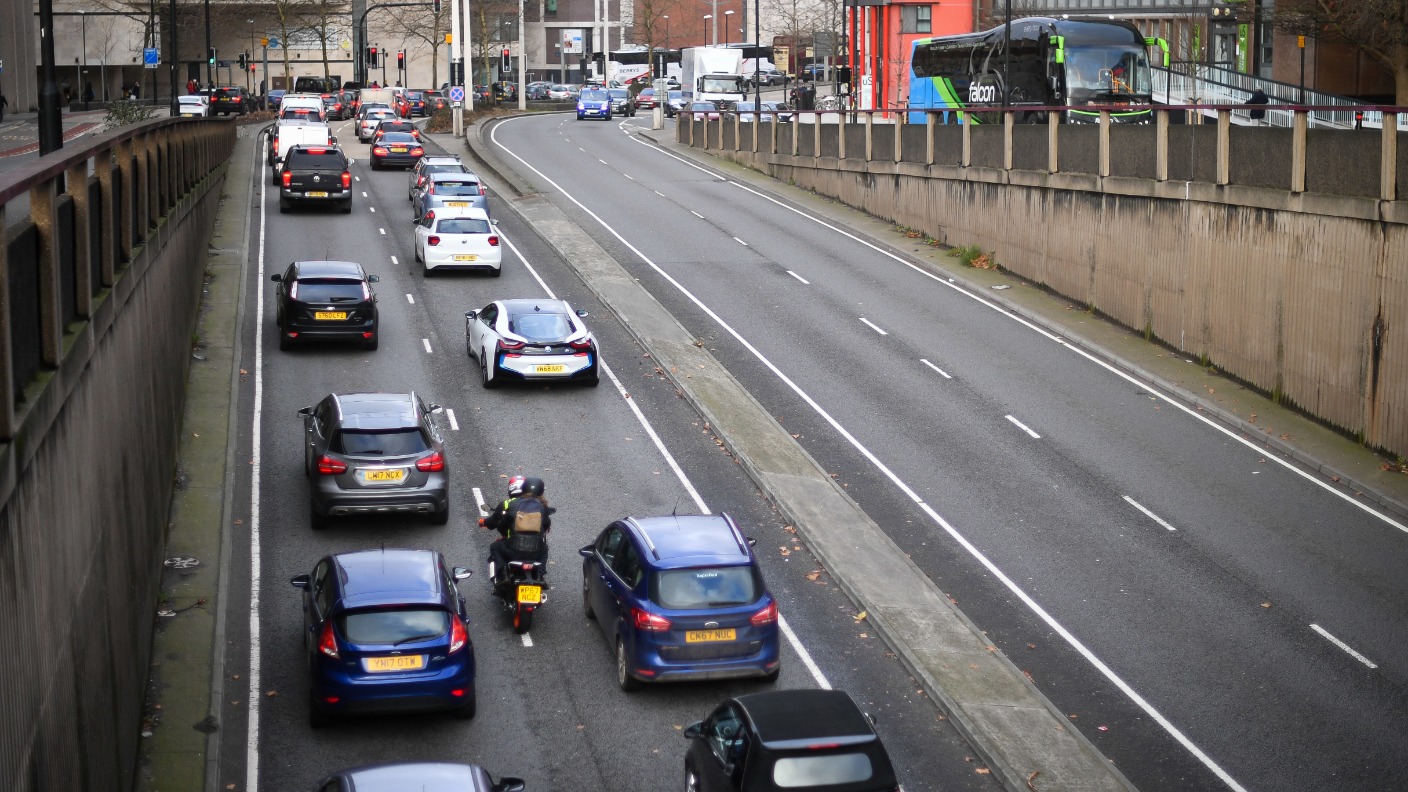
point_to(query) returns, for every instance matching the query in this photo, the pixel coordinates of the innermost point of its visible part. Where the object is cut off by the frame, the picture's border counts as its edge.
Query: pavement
(19, 132)
(1028, 743)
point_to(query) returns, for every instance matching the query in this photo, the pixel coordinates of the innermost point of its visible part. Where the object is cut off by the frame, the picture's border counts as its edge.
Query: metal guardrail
(1199, 84)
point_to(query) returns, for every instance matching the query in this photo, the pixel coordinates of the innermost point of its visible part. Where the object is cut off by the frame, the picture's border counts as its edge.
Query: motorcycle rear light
(459, 636)
(346, 179)
(328, 466)
(287, 178)
(431, 464)
(493, 241)
(645, 620)
(767, 615)
(327, 642)
(433, 241)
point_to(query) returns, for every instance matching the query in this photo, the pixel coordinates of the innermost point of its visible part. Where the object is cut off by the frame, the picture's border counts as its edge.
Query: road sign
(264, 41)
(457, 93)
(150, 58)
(273, 43)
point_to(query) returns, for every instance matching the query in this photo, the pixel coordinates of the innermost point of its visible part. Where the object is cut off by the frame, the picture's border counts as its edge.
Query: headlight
(581, 106)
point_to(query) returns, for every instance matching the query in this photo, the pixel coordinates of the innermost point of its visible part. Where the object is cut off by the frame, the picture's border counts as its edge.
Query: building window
(916, 19)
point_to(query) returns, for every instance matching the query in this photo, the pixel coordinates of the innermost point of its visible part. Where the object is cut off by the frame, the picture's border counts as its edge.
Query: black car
(622, 103)
(396, 149)
(315, 175)
(318, 300)
(374, 453)
(228, 100)
(787, 739)
(429, 776)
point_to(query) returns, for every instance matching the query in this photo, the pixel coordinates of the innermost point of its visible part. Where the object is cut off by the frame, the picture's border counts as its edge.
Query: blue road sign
(457, 93)
(273, 43)
(150, 58)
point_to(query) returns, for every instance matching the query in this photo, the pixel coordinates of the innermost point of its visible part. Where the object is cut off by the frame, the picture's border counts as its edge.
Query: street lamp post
(83, 70)
(709, 18)
(209, 67)
(727, 24)
(247, 78)
(714, 23)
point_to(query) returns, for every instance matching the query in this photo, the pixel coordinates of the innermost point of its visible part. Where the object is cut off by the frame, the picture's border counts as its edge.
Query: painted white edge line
(657, 192)
(255, 696)
(426, 343)
(669, 458)
(1341, 644)
(873, 326)
(945, 374)
(1075, 643)
(450, 416)
(629, 176)
(479, 502)
(602, 161)
(1023, 427)
(799, 277)
(1156, 518)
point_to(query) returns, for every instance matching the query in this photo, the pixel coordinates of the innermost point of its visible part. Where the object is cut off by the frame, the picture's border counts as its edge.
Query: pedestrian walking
(1258, 97)
(4, 103)
(192, 86)
(87, 95)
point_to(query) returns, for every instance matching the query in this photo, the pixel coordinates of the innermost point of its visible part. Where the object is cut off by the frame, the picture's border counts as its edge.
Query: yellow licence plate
(530, 594)
(396, 663)
(466, 257)
(457, 203)
(398, 149)
(317, 194)
(395, 474)
(708, 636)
(550, 368)
(326, 315)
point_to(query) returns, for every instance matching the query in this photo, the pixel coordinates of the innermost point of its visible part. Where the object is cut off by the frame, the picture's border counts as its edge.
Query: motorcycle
(521, 588)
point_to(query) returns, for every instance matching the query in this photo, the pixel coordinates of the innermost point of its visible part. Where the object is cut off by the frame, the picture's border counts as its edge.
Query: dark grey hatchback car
(374, 453)
(420, 776)
(325, 300)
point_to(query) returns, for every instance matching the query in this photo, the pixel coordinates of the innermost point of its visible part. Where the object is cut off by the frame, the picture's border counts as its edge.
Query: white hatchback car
(534, 340)
(458, 239)
(194, 106)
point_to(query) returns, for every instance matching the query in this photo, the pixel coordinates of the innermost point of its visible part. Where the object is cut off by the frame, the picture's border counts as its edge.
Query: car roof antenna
(674, 511)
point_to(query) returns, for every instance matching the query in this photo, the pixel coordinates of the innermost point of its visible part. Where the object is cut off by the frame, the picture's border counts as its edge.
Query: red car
(410, 104)
(646, 99)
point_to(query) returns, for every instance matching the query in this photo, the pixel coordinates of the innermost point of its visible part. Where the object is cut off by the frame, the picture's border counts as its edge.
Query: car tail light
(366, 292)
(645, 620)
(429, 215)
(493, 241)
(417, 152)
(317, 151)
(433, 241)
(346, 179)
(506, 344)
(380, 150)
(327, 641)
(276, 143)
(459, 636)
(420, 181)
(482, 191)
(293, 291)
(287, 178)
(767, 615)
(431, 464)
(328, 466)
(581, 343)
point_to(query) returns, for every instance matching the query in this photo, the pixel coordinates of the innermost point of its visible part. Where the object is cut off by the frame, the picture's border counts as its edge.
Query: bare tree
(495, 25)
(422, 24)
(328, 20)
(1378, 28)
(648, 25)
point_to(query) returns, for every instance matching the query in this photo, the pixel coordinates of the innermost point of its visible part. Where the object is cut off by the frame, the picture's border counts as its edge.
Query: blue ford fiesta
(386, 631)
(594, 104)
(680, 598)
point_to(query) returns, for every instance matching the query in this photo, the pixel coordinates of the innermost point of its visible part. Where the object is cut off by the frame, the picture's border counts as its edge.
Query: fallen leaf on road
(861, 616)
(271, 694)
(1266, 604)
(981, 770)
(813, 575)
(1032, 778)
(865, 635)
(678, 727)
(1031, 646)
(1103, 728)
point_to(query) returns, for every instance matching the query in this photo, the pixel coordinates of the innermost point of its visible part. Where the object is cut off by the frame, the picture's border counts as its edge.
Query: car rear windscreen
(329, 159)
(456, 188)
(394, 626)
(399, 138)
(810, 772)
(463, 225)
(445, 168)
(384, 442)
(711, 587)
(540, 326)
(329, 290)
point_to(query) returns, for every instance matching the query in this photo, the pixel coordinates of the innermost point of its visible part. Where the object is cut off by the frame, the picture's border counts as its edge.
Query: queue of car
(386, 630)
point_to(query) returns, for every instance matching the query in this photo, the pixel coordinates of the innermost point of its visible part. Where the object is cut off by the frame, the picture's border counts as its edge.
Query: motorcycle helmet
(515, 486)
(534, 486)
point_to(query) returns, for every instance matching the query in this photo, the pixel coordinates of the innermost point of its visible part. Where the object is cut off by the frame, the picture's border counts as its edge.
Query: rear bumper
(340, 196)
(336, 502)
(361, 695)
(523, 368)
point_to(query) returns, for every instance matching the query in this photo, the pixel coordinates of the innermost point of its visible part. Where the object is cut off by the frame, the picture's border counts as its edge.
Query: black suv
(227, 100)
(325, 300)
(787, 739)
(316, 175)
(374, 453)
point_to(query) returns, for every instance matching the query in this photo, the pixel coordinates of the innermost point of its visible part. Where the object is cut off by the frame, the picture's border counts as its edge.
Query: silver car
(420, 174)
(369, 120)
(454, 190)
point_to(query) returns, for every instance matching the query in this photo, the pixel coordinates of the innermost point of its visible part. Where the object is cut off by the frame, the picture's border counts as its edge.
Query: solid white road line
(1156, 518)
(1341, 644)
(873, 326)
(426, 343)
(945, 374)
(855, 443)
(410, 298)
(799, 277)
(1023, 427)
(688, 485)
(479, 502)
(450, 416)
(255, 696)
(741, 242)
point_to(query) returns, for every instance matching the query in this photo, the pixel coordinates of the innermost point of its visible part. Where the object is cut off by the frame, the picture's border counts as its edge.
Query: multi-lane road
(1208, 616)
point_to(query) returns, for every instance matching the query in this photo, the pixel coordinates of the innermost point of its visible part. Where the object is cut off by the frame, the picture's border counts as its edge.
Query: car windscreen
(394, 625)
(709, 587)
(675, 94)
(619, 93)
(809, 772)
(382, 442)
(462, 225)
(594, 96)
(329, 290)
(328, 159)
(456, 188)
(538, 326)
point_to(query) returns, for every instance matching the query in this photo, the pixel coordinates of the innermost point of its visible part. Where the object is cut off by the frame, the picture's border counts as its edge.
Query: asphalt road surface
(549, 709)
(1208, 616)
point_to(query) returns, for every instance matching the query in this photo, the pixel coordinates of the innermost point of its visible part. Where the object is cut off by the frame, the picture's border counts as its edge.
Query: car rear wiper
(727, 602)
(417, 638)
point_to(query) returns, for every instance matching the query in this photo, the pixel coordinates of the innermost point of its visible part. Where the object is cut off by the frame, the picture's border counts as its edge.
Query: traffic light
(506, 65)
(371, 57)
(243, 62)
(436, 4)
(400, 59)
(210, 57)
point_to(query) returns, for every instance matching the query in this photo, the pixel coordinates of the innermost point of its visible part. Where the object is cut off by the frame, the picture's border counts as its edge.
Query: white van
(305, 107)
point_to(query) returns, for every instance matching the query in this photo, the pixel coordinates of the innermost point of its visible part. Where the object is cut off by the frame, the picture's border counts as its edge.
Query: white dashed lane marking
(945, 374)
(873, 326)
(426, 343)
(1023, 427)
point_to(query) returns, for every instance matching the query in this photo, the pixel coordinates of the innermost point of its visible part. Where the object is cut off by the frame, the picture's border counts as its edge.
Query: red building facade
(879, 38)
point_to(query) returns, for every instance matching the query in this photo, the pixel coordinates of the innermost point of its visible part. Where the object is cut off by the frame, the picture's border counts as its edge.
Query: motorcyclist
(525, 497)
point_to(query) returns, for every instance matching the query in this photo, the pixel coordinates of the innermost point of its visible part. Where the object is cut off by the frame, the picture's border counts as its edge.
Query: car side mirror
(694, 730)
(306, 411)
(471, 314)
(581, 313)
(373, 279)
(300, 582)
(351, 162)
(461, 573)
(277, 277)
(586, 552)
(509, 784)
(752, 542)
(435, 408)
(332, 139)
